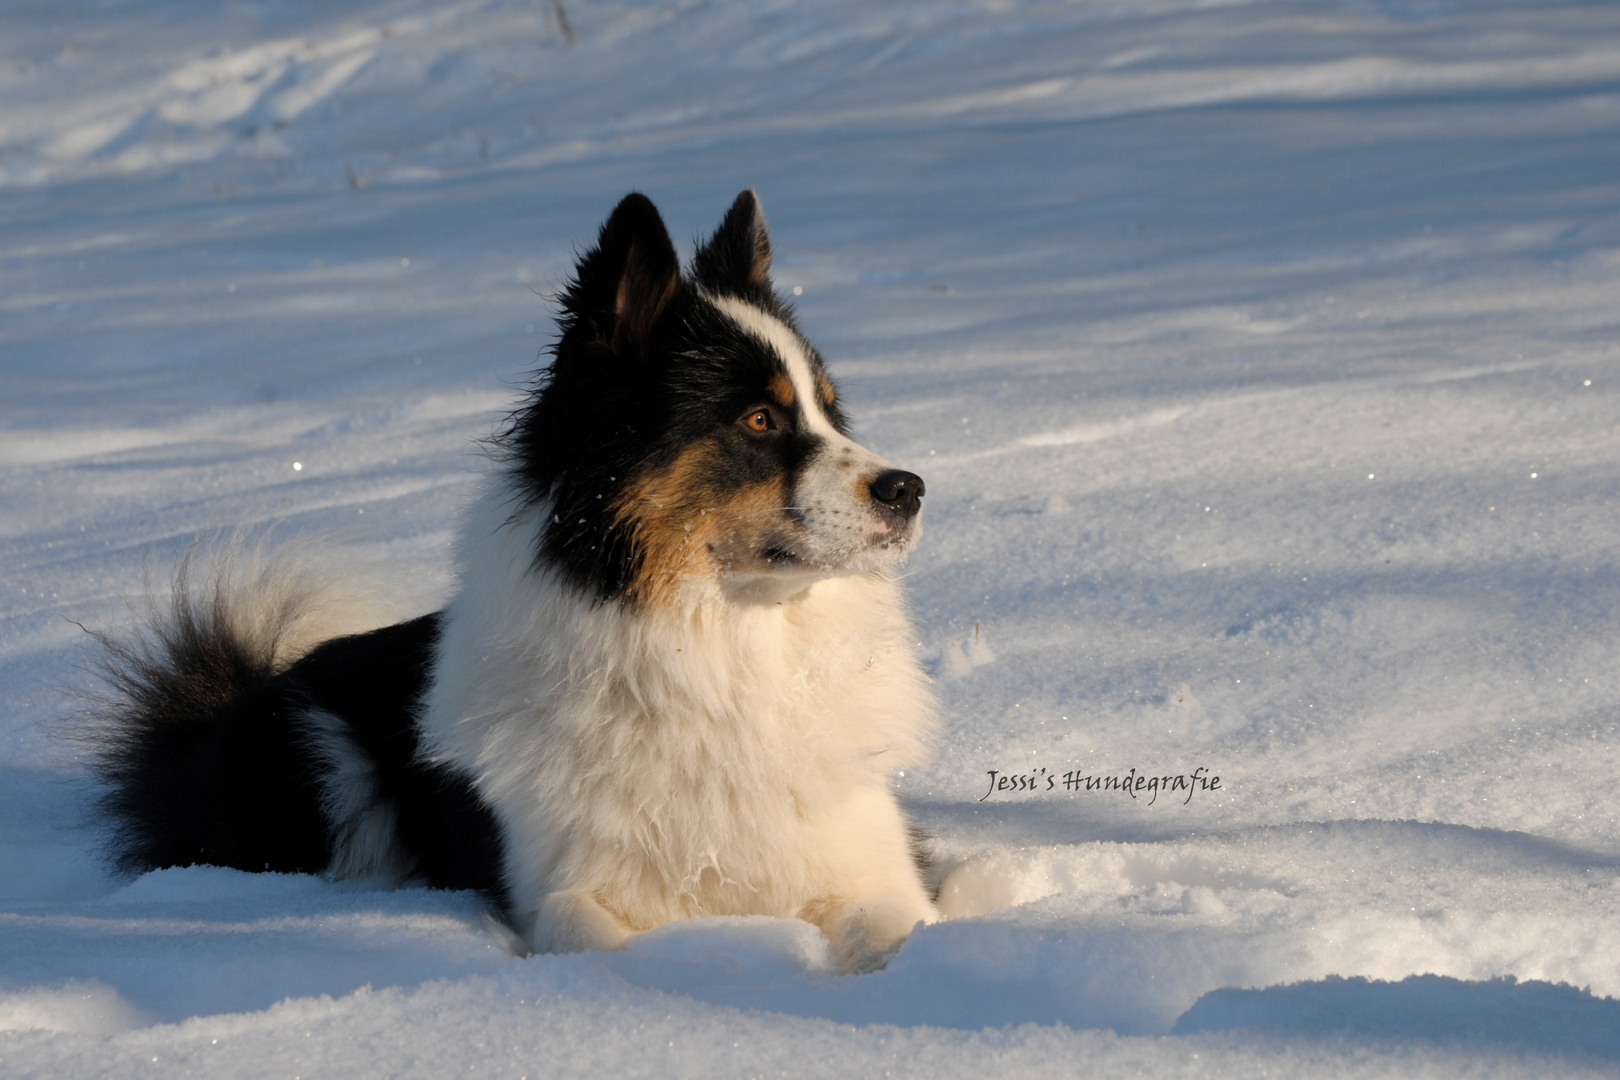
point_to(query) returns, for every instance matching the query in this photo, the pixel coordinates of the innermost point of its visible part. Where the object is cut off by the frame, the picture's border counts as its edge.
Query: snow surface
(1262, 359)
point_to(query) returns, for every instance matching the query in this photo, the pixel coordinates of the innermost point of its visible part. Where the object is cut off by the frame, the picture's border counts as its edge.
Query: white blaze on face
(846, 528)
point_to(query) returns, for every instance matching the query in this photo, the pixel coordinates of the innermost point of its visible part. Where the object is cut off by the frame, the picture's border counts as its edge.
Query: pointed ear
(622, 285)
(737, 258)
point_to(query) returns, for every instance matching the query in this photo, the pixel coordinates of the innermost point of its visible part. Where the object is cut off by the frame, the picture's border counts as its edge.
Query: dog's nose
(899, 490)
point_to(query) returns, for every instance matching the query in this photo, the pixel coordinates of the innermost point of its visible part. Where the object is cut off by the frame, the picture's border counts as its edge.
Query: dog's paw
(859, 953)
(576, 922)
(865, 935)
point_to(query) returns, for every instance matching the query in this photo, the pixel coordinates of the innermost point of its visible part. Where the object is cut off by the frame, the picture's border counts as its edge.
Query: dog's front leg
(573, 920)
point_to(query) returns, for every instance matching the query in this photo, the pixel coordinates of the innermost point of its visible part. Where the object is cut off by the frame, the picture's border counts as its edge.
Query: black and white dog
(674, 680)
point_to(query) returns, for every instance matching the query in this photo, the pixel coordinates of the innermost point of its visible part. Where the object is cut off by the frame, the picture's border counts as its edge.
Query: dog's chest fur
(679, 761)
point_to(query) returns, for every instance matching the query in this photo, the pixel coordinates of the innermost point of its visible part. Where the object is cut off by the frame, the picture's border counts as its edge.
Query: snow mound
(1529, 1015)
(76, 1006)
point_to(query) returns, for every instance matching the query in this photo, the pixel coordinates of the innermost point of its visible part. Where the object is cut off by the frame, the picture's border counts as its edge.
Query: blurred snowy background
(1263, 362)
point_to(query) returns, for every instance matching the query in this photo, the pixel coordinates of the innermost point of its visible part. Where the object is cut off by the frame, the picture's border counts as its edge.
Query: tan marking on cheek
(682, 530)
(781, 390)
(659, 509)
(824, 390)
(741, 527)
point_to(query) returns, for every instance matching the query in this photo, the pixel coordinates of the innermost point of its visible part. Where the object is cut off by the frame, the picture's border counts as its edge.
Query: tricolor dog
(675, 678)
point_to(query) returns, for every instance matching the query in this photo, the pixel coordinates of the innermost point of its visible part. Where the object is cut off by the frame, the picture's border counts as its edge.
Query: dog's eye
(759, 421)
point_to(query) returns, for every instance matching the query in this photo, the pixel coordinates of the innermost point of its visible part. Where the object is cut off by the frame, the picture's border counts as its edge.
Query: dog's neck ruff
(735, 720)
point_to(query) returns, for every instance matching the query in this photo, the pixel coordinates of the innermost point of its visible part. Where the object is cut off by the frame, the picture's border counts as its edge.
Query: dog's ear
(737, 258)
(623, 284)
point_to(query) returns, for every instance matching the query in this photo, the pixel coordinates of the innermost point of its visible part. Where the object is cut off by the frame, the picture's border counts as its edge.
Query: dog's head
(688, 434)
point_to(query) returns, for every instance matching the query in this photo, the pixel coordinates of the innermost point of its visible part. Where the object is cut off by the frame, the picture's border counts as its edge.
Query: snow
(1261, 359)
(1501, 1010)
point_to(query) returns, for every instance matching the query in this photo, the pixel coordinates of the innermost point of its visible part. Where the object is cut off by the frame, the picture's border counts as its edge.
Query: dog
(674, 680)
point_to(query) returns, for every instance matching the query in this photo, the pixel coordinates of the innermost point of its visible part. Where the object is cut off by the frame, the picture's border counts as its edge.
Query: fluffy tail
(199, 752)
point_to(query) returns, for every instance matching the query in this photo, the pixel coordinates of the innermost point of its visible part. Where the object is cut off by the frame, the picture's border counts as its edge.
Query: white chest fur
(727, 756)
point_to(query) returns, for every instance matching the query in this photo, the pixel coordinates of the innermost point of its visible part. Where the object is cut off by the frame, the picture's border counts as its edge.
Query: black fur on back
(373, 683)
(644, 366)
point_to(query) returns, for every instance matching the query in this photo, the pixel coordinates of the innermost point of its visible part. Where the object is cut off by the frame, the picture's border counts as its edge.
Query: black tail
(195, 748)
(249, 727)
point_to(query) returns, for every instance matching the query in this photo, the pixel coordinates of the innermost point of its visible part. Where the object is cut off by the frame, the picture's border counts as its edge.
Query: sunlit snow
(1261, 359)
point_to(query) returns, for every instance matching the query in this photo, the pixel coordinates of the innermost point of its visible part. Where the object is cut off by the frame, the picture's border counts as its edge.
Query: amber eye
(759, 421)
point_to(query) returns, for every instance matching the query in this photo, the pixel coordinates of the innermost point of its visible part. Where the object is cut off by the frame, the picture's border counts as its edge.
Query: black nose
(900, 491)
